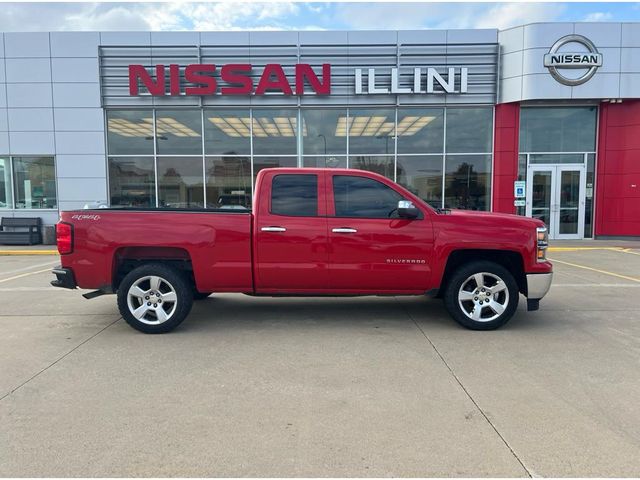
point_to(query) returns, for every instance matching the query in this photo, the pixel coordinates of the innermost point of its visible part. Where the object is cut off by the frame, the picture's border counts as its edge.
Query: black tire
(171, 281)
(200, 295)
(461, 308)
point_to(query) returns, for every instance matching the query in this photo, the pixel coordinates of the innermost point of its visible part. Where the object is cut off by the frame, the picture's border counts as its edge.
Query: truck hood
(500, 217)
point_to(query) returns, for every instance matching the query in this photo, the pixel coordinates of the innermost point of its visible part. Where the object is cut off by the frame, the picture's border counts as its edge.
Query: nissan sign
(561, 60)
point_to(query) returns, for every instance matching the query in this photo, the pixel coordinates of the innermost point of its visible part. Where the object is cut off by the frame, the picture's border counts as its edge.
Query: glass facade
(28, 183)
(560, 136)
(205, 158)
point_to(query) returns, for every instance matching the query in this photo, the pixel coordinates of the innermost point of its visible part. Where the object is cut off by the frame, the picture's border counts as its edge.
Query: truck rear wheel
(481, 295)
(154, 298)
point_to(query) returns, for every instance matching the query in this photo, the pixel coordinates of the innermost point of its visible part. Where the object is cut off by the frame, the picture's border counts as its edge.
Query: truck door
(291, 251)
(370, 247)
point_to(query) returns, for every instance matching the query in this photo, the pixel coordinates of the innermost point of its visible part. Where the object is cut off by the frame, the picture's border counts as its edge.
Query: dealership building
(540, 120)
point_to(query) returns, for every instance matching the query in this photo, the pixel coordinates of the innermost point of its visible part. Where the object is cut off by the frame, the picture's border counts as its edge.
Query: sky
(232, 15)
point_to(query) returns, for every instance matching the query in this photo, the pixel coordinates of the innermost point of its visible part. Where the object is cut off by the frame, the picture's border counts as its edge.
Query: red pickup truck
(325, 232)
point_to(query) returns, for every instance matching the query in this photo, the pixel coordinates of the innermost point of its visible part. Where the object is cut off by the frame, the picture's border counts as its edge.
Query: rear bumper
(64, 278)
(538, 285)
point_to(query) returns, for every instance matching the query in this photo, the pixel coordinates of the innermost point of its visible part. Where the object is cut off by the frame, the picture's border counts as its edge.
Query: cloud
(598, 17)
(69, 16)
(378, 16)
(148, 16)
(507, 15)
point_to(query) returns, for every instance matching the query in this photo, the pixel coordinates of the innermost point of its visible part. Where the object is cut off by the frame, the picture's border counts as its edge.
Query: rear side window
(364, 197)
(295, 195)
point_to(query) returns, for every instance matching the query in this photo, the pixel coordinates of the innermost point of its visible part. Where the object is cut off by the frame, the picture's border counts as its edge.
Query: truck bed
(217, 244)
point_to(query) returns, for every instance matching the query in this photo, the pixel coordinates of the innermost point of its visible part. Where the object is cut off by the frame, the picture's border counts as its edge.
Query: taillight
(64, 238)
(542, 243)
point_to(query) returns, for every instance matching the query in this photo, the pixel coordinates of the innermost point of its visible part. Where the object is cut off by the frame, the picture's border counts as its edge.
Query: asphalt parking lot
(324, 387)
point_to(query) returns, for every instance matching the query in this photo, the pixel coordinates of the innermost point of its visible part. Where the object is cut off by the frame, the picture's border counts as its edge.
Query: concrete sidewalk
(28, 250)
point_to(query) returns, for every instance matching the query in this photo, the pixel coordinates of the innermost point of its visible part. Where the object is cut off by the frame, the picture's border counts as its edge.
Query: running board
(94, 294)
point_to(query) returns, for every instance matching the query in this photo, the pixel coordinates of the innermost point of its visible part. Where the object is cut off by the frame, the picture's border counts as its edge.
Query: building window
(420, 130)
(179, 132)
(324, 132)
(275, 132)
(422, 176)
(468, 182)
(469, 130)
(558, 129)
(180, 182)
(6, 196)
(34, 182)
(227, 132)
(228, 182)
(166, 147)
(130, 132)
(132, 182)
(372, 131)
(374, 163)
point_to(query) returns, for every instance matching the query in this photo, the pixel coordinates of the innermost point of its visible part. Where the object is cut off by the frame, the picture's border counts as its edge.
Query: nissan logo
(557, 60)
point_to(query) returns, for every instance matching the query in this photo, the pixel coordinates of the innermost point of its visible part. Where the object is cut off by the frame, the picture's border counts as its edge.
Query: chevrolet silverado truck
(310, 232)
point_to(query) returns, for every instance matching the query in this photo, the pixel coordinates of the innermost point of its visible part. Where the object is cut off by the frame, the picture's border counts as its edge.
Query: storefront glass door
(556, 195)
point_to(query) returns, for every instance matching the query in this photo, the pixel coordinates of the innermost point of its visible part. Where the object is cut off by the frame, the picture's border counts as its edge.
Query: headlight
(542, 243)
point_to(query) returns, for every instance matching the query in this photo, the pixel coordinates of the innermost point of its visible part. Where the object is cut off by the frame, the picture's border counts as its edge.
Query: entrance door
(556, 195)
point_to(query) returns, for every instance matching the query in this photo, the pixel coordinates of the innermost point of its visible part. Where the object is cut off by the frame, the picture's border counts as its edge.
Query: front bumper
(538, 285)
(64, 278)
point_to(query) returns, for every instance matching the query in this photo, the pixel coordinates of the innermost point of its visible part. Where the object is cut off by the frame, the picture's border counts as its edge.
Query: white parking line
(31, 267)
(612, 285)
(24, 275)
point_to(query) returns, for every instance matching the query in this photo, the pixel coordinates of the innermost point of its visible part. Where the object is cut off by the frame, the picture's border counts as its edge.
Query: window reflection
(364, 197)
(260, 163)
(35, 182)
(468, 182)
(180, 182)
(469, 130)
(324, 131)
(371, 131)
(557, 129)
(132, 182)
(179, 132)
(378, 164)
(5, 184)
(330, 161)
(422, 175)
(227, 132)
(275, 132)
(130, 132)
(420, 130)
(228, 182)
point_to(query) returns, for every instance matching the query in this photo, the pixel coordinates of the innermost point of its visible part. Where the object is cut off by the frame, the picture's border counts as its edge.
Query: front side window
(295, 195)
(35, 182)
(362, 197)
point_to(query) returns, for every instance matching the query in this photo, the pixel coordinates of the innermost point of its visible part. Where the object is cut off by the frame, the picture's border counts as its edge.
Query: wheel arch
(125, 259)
(511, 260)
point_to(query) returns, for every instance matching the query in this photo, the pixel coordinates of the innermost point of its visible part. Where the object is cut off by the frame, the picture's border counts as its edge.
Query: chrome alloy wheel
(483, 297)
(152, 300)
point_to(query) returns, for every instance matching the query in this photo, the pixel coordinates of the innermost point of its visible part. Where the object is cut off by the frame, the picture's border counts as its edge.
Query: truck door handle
(344, 230)
(273, 229)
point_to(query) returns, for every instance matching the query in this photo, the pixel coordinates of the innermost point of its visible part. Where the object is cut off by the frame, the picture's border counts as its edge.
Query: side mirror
(407, 209)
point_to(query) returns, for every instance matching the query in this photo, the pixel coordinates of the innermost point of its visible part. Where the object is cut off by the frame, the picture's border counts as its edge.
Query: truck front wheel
(481, 295)
(154, 298)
